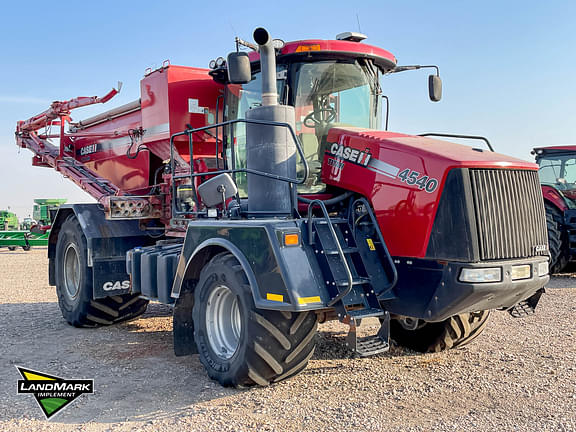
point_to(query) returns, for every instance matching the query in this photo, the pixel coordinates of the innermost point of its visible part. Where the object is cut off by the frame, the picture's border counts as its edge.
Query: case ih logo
(350, 154)
(540, 248)
(52, 393)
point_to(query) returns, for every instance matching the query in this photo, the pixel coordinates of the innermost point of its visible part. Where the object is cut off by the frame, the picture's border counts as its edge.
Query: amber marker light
(292, 239)
(305, 48)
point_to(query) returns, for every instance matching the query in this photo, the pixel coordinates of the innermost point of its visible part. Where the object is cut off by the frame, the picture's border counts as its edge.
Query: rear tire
(556, 240)
(12, 248)
(74, 285)
(240, 345)
(453, 332)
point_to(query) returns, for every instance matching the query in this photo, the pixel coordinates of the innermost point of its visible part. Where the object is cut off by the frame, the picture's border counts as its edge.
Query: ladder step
(345, 250)
(365, 313)
(333, 221)
(358, 281)
(371, 345)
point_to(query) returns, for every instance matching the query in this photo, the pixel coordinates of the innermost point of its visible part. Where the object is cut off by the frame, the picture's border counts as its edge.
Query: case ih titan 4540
(259, 199)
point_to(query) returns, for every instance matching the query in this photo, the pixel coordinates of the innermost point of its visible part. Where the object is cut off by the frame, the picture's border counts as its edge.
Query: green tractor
(45, 210)
(8, 221)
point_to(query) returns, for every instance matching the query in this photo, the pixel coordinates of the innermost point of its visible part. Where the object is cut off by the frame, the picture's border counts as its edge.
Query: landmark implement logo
(52, 393)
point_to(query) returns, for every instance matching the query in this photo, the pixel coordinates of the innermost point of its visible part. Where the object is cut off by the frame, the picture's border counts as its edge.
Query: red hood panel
(456, 155)
(403, 177)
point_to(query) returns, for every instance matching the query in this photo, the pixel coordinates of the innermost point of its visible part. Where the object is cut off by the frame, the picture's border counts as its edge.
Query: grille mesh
(509, 213)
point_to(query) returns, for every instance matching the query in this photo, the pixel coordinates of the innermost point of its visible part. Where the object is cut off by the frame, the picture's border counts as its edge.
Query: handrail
(478, 137)
(319, 203)
(234, 170)
(378, 232)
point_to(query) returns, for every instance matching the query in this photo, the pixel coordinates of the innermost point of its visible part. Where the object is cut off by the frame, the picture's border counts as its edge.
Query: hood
(449, 153)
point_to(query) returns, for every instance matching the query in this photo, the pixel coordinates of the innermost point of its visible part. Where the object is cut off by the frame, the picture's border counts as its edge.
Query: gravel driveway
(519, 375)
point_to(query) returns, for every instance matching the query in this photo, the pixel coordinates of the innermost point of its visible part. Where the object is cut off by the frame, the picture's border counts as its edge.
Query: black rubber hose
(330, 201)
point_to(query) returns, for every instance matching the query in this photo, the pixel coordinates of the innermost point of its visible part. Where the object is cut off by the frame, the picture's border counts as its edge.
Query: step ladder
(357, 270)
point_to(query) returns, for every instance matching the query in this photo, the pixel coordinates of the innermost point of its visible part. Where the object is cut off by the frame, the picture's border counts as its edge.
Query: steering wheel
(311, 120)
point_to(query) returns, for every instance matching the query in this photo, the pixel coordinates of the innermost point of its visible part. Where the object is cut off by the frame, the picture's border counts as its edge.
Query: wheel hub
(410, 323)
(71, 270)
(223, 322)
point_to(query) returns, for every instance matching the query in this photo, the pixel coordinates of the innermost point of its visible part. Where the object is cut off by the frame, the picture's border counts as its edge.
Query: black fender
(107, 243)
(204, 253)
(279, 277)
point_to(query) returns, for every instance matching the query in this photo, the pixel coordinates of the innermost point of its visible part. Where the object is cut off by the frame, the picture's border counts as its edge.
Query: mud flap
(183, 326)
(110, 278)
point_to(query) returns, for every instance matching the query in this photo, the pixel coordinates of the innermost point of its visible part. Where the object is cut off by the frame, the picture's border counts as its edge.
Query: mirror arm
(415, 67)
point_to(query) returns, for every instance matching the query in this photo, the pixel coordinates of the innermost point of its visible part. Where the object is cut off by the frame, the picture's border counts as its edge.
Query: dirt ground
(519, 375)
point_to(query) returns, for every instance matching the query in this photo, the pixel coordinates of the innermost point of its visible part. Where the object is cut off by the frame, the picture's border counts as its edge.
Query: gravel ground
(519, 375)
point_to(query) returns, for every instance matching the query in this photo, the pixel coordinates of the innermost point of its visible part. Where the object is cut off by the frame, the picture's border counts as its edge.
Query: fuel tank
(440, 200)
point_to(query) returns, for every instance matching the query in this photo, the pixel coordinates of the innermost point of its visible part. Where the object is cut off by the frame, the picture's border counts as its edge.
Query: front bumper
(431, 290)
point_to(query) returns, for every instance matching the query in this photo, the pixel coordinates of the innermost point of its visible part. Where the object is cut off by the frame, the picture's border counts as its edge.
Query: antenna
(358, 21)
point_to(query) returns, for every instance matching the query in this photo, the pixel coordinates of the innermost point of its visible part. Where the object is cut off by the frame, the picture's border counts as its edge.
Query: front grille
(510, 214)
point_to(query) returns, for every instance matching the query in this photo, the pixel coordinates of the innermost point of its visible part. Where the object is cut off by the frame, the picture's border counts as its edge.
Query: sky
(507, 66)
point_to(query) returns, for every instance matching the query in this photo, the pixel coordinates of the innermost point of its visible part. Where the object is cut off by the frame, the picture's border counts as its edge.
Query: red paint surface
(335, 47)
(165, 95)
(406, 213)
(553, 197)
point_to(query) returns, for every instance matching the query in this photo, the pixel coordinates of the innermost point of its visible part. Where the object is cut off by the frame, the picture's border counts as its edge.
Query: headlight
(543, 268)
(479, 275)
(521, 272)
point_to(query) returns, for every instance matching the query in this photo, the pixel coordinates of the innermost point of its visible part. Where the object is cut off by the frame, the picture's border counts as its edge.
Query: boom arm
(60, 109)
(47, 154)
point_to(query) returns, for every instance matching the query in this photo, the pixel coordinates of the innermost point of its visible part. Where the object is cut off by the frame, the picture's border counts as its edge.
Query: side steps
(357, 270)
(370, 345)
(526, 307)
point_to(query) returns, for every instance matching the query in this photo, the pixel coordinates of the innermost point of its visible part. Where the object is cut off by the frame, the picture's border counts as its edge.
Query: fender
(554, 197)
(279, 277)
(201, 255)
(107, 242)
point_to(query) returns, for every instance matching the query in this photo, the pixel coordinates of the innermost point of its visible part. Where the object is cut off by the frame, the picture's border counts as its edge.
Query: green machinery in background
(8, 221)
(30, 232)
(23, 239)
(45, 210)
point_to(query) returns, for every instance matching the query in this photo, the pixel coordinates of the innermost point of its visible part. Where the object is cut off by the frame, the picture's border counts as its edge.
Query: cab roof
(319, 48)
(554, 149)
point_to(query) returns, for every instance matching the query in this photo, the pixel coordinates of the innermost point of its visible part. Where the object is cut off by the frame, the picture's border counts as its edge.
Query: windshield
(329, 94)
(333, 92)
(558, 171)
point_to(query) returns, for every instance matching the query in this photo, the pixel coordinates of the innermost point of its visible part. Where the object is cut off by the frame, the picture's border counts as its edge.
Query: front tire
(74, 285)
(240, 345)
(556, 241)
(425, 336)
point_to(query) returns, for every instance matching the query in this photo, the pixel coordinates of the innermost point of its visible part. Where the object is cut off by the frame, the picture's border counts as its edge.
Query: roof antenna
(358, 21)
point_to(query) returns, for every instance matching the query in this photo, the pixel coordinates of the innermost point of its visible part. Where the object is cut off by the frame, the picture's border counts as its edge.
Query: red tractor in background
(259, 198)
(557, 172)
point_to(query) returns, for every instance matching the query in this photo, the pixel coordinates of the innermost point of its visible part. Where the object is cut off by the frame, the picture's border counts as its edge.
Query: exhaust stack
(267, 66)
(269, 148)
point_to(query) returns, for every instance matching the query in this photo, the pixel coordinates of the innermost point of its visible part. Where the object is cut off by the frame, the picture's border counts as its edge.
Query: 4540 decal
(412, 177)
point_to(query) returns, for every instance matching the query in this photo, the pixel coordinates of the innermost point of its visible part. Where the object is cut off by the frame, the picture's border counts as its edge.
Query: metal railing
(474, 137)
(233, 170)
(352, 221)
(326, 217)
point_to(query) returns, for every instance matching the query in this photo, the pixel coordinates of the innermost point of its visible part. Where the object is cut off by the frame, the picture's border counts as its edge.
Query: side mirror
(239, 71)
(435, 88)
